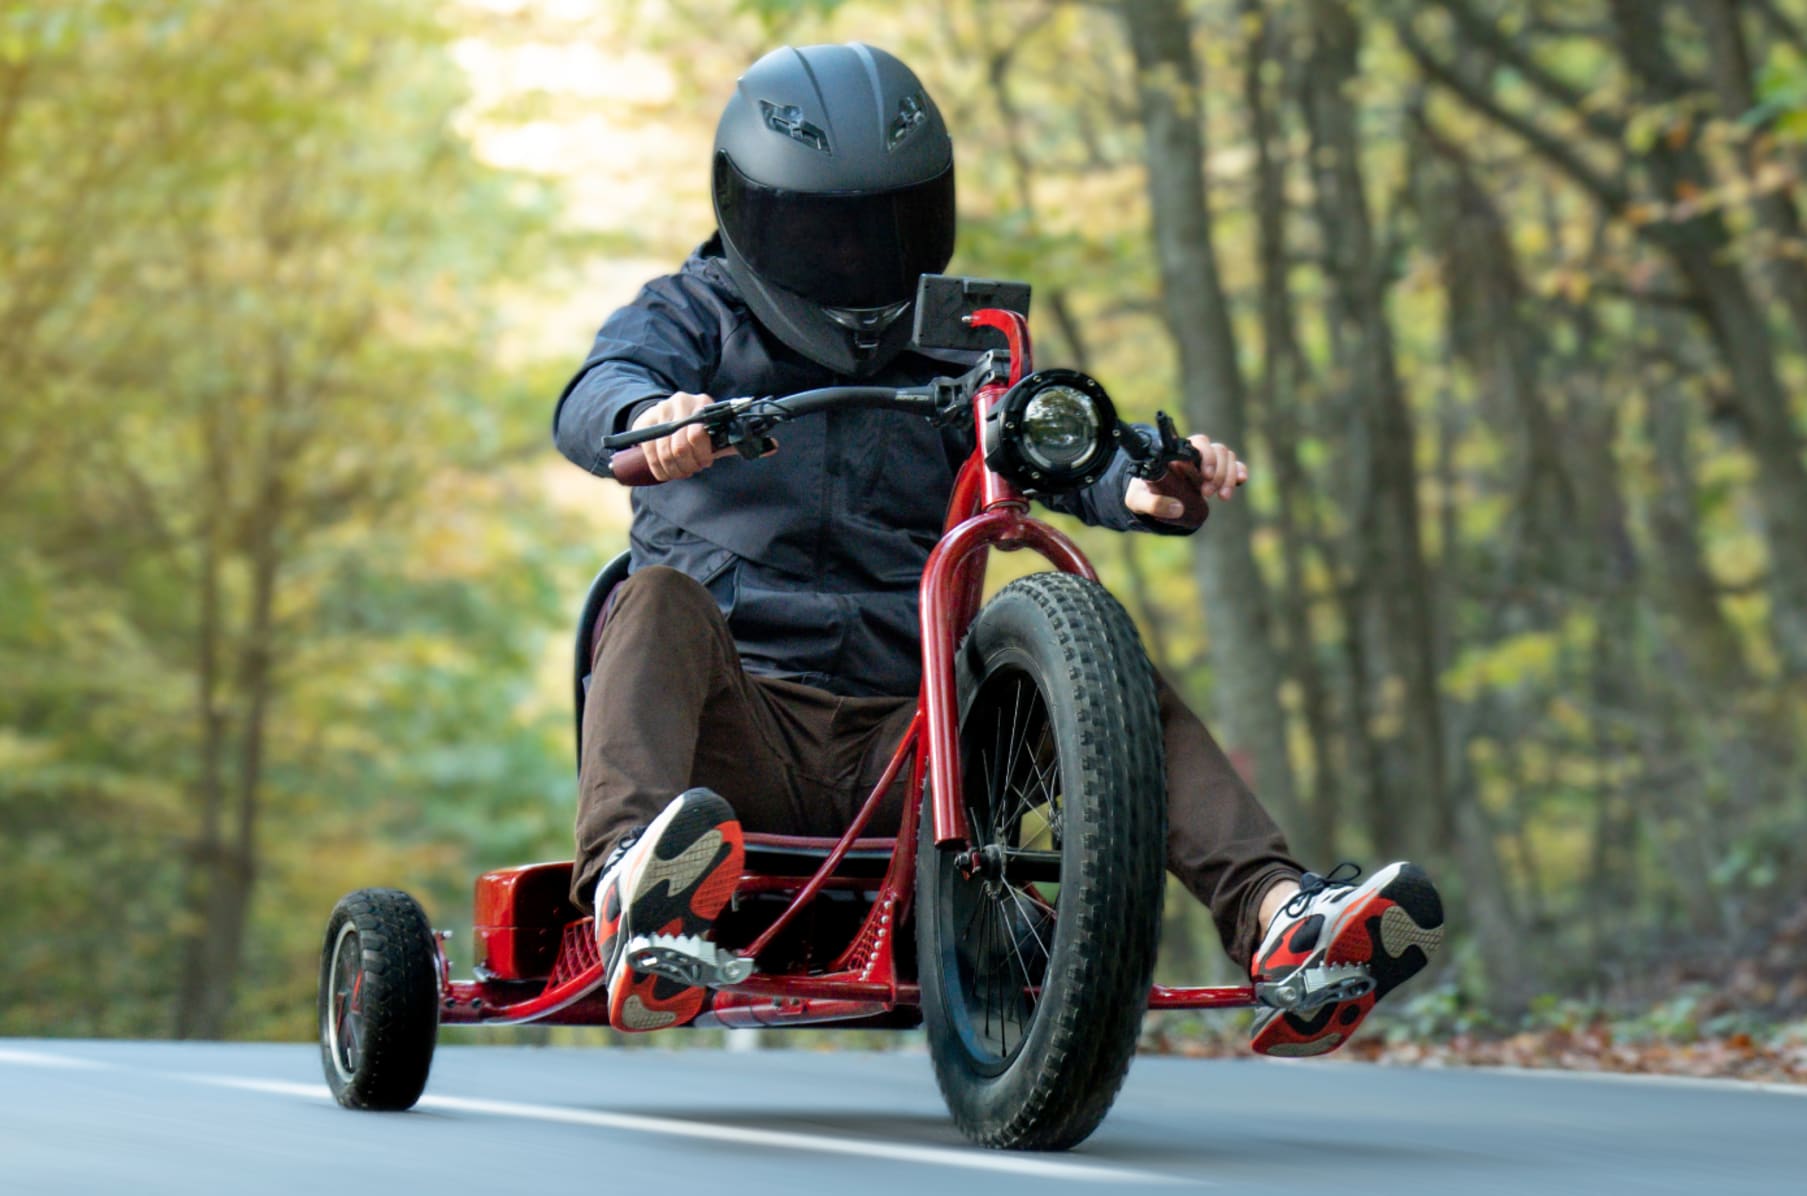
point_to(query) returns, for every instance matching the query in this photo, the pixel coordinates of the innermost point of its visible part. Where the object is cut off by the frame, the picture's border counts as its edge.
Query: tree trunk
(1284, 378)
(1141, 597)
(1707, 641)
(1729, 59)
(1245, 667)
(206, 857)
(1399, 617)
(1762, 405)
(232, 905)
(215, 950)
(1445, 818)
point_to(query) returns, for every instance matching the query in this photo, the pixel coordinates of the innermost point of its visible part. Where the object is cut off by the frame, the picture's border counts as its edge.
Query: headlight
(1053, 431)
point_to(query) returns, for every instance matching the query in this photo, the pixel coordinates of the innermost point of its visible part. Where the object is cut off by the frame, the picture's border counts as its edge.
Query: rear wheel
(379, 1000)
(1037, 940)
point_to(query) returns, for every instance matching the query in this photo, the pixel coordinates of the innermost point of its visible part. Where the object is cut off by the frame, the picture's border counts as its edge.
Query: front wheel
(1037, 939)
(379, 1000)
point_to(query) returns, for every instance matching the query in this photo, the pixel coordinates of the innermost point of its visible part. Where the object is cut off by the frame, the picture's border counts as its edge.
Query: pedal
(687, 959)
(1309, 988)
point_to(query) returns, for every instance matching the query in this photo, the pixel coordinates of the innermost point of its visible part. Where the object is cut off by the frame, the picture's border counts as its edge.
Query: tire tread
(1056, 1098)
(400, 960)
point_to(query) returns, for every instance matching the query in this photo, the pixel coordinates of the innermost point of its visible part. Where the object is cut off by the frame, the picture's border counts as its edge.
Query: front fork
(949, 603)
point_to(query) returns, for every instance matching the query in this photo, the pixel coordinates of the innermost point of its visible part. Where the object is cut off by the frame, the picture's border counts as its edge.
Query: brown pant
(671, 707)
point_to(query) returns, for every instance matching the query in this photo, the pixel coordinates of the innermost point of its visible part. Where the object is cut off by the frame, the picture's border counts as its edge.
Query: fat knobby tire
(1083, 652)
(399, 1000)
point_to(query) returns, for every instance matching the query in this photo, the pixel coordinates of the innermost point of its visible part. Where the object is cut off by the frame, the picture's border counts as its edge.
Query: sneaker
(670, 878)
(1343, 946)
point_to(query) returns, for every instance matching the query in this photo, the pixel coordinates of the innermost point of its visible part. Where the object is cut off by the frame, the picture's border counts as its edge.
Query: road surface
(145, 1118)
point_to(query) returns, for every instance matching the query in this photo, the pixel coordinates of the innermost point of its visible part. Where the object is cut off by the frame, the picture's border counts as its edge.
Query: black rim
(345, 1003)
(1004, 891)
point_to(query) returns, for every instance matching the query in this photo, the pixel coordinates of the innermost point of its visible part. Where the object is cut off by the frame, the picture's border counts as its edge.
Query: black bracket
(1153, 454)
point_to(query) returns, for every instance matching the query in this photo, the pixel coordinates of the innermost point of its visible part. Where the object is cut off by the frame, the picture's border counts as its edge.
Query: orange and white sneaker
(669, 880)
(1336, 949)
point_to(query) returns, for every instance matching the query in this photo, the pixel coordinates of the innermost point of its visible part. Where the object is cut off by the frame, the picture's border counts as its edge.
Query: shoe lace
(1311, 884)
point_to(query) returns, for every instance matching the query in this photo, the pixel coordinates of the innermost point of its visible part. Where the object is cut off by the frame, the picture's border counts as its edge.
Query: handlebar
(789, 407)
(1168, 463)
(742, 424)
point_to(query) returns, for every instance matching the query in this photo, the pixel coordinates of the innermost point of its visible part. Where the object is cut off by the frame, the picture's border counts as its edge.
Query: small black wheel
(1036, 942)
(379, 1000)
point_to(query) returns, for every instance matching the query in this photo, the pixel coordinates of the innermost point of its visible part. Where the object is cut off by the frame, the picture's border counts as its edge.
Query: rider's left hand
(1219, 467)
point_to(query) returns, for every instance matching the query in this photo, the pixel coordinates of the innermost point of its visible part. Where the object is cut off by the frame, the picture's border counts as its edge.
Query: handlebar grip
(1183, 481)
(631, 468)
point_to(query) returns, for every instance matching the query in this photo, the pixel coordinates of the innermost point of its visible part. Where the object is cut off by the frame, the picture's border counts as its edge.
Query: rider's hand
(1219, 468)
(687, 450)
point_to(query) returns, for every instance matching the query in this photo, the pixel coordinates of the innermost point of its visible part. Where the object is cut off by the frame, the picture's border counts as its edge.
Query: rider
(765, 644)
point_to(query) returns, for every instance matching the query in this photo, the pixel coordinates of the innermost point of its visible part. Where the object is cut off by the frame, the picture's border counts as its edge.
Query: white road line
(972, 1160)
(45, 1059)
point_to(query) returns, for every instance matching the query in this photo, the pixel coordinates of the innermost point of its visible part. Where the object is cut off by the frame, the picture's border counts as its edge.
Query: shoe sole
(677, 885)
(1393, 932)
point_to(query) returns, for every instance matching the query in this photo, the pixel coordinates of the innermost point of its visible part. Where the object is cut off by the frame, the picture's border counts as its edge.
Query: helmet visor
(840, 249)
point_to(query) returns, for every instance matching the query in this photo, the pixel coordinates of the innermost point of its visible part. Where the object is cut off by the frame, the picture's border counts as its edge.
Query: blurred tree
(1246, 668)
(247, 320)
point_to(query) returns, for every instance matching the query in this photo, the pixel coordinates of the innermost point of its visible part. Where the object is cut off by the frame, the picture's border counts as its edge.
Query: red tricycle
(1016, 912)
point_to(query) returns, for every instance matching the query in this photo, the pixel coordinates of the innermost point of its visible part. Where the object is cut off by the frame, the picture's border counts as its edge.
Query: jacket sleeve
(1101, 503)
(667, 340)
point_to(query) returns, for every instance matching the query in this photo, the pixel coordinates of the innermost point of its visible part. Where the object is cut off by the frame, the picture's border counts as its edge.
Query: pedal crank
(1313, 987)
(687, 959)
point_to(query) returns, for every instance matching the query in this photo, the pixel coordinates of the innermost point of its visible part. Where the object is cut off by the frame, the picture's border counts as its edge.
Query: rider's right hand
(684, 452)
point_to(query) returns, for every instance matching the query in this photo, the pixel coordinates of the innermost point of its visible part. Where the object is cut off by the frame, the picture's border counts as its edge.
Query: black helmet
(834, 190)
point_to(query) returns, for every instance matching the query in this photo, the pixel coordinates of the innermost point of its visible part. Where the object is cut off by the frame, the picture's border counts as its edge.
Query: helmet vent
(789, 121)
(909, 118)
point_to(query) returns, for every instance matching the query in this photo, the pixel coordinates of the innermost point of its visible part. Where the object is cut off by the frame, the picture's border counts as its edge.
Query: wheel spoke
(1009, 756)
(1020, 790)
(990, 978)
(991, 770)
(1010, 992)
(1028, 918)
(1016, 952)
(966, 930)
(1046, 779)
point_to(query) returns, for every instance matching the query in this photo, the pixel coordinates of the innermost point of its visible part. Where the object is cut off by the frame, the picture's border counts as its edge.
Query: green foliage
(265, 540)
(1782, 92)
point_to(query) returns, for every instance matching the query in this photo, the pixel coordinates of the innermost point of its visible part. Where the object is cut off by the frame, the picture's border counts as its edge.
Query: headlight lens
(1051, 433)
(1060, 428)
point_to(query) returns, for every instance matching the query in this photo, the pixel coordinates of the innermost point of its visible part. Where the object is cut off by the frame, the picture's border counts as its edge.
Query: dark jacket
(814, 553)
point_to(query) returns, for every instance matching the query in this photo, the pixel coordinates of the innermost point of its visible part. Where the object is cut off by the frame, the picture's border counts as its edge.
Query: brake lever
(713, 417)
(1154, 456)
(745, 435)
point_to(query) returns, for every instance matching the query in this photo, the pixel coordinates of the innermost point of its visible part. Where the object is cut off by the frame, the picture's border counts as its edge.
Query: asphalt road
(145, 1118)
